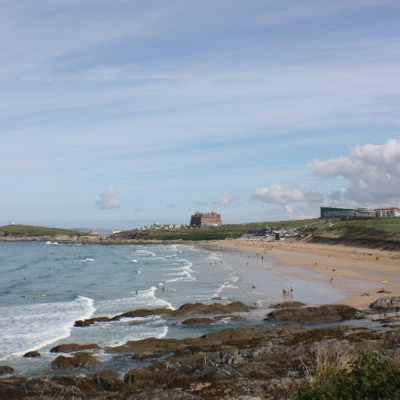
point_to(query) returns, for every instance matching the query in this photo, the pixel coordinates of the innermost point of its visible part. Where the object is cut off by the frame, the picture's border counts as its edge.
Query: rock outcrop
(312, 315)
(241, 363)
(198, 321)
(32, 354)
(81, 359)
(186, 309)
(73, 347)
(6, 370)
(386, 303)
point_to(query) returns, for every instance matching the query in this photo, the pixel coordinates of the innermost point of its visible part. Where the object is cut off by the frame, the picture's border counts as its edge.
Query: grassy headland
(366, 230)
(29, 231)
(230, 231)
(356, 230)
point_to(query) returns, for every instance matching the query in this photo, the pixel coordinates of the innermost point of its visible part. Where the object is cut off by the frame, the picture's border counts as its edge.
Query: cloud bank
(371, 173)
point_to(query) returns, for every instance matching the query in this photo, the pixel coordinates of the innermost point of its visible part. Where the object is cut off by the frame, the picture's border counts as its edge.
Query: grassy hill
(231, 231)
(356, 230)
(374, 229)
(27, 230)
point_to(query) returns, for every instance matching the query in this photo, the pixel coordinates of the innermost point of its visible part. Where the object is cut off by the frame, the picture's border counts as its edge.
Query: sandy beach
(359, 275)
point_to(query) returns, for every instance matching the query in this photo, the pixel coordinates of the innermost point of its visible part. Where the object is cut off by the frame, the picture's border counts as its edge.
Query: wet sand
(340, 274)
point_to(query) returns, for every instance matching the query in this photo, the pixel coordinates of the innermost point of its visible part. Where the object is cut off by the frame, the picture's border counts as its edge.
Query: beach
(357, 274)
(120, 319)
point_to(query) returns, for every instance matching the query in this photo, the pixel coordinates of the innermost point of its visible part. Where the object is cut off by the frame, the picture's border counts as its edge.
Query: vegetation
(231, 231)
(374, 229)
(383, 229)
(370, 376)
(27, 231)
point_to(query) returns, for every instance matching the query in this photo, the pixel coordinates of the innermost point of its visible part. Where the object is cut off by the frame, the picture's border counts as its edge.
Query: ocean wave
(31, 327)
(139, 299)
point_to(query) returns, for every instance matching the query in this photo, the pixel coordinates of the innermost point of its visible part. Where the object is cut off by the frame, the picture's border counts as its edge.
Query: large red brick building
(206, 219)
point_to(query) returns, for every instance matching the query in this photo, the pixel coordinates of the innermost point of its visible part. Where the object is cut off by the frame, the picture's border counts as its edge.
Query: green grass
(370, 376)
(230, 231)
(27, 231)
(374, 229)
(383, 229)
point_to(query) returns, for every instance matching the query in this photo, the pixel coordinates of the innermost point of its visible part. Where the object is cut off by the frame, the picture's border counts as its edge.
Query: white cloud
(278, 194)
(224, 201)
(373, 172)
(107, 200)
(373, 176)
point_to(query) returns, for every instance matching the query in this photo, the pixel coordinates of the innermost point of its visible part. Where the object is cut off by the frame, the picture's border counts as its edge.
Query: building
(206, 219)
(365, 213)
(388, 212)
(331, 212)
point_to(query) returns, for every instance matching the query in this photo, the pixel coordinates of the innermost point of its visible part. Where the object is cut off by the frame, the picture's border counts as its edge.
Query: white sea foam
(184, 272)
(140, 299)
(31, 327)
(223, 286)
(86, 260)
(116, 333)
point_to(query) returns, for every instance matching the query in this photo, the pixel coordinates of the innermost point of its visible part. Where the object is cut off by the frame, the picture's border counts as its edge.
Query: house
(205, 219)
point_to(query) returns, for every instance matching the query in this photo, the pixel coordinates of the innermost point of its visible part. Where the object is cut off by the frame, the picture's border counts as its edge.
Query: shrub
(371, 376)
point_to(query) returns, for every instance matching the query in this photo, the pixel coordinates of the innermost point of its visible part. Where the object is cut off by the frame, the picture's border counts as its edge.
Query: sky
(123, 113)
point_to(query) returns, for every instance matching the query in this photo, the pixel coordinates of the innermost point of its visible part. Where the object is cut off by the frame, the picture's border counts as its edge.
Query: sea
(46, 286)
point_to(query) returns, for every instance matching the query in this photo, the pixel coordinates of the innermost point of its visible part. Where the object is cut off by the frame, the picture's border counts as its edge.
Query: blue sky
(120, 113)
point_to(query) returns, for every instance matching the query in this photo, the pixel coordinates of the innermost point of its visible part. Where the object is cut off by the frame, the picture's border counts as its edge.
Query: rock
(144, 313)
(241, 363)
(32, 354)
(71, 347)
(147, 348)
(198, 321)
(62, 387)
(321, 314)
(215, 308)
(82, 359)
(6, 370)
(386, 303)
(186, 309)
(91, 321)
(109, 380)
(288, 304)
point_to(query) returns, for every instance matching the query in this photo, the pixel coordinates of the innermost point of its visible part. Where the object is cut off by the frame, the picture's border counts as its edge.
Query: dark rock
(186, 309)
(82, 359)
(109, 380)
(321, 314)
(91, 321)
(386, 303)
(242, 363)
(198, 321)
(32, 354)
(71, 347)
(147, 348)
(62, 387)
(288, 304)
(215, 308)
(144, 313)
(6, 370)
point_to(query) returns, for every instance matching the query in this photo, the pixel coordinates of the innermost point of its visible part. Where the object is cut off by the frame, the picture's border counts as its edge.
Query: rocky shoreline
(240, 363)
(87, 239)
